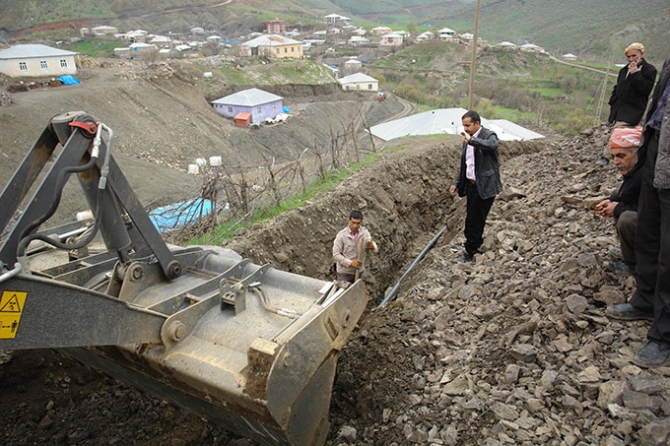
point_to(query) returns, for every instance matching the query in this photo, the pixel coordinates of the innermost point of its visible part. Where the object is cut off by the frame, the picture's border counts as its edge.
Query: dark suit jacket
(628, 193)
(487, 168)
(630, 94)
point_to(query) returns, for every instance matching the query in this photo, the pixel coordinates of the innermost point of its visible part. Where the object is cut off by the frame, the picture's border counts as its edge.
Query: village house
(506, 46)
(447, 34)
(359, 82)
(425, 36)
(381, 30)
(100, 31)
(249, 106)
(336, 19)
(353, 66)
(531, 48)
(272, 45)
(466, 37)
(275, 26)
(358, 41)
(37, 60)
(391, 39)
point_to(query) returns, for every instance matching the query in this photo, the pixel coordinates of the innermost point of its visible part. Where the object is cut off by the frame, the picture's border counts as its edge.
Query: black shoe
(619, 267)
(654, 354)
(602, 161)
(627, 312)
(465, 257)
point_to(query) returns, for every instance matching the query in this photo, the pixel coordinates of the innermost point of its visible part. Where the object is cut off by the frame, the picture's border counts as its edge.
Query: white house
(272, 45)
(569, 56)
(353, 65)
(426, 35)
(104, 30)
(506, 46)
(531, 48)
(37, 60)
(140, 47)
(336, 19)
(359, 82)
(358, 40)
(381, 30)
(391, 39)
(447, 34)
(161, 41)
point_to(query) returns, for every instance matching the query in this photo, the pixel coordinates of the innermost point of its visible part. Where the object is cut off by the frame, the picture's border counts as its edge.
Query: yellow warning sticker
(11, 309)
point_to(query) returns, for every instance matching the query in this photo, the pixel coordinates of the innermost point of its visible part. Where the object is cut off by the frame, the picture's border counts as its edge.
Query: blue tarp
(68, 80)
(182, 214)
(285, 110)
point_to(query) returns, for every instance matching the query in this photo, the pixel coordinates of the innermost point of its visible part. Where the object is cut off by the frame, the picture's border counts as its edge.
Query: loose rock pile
(514, 348)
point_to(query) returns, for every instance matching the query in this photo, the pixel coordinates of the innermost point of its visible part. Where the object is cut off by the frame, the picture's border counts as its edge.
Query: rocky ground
(511, 349)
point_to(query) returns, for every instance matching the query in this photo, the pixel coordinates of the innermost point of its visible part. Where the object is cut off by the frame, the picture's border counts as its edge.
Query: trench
(405, 202)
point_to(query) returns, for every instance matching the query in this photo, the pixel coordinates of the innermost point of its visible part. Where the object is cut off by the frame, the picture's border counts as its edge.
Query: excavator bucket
(251, 347)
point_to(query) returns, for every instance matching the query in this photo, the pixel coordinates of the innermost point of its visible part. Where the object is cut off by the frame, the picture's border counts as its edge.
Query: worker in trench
(349, 249)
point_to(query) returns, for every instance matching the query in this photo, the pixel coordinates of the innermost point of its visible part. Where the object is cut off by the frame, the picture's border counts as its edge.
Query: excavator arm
(251, 347)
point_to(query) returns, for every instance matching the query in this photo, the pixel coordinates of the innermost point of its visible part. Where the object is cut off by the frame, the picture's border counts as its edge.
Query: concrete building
(447, 34)
(272, 45)
(253, 105)
(391, 39)
(336, 19)
(275, 26)
(37, 60)
(359, 82)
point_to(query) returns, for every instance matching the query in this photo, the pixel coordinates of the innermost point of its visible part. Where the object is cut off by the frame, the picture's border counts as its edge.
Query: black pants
(475, 220)
(652, 250)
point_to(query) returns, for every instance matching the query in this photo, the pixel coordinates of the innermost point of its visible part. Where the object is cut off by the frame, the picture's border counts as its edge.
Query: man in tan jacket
(349, 249)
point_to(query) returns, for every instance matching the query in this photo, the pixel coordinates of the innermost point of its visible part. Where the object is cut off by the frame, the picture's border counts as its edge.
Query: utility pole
(471, 83)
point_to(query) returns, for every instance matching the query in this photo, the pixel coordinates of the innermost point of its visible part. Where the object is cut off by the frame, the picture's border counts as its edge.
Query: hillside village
(323, 42)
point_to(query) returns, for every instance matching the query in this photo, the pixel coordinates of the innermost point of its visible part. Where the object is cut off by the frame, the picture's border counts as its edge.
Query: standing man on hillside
(622, 205)
(349, 249)
(651, 299)
(478, 180)
(631, 92)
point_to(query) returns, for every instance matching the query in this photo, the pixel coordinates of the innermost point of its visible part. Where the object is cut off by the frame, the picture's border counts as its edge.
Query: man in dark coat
(651, 299)
(631, 92)
(478, 180)
(622, 205)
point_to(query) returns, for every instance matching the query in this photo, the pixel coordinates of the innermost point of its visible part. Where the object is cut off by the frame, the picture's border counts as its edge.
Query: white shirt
(470, 159)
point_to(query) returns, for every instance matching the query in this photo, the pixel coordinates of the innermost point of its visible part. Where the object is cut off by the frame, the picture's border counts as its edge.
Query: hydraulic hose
(60, 184)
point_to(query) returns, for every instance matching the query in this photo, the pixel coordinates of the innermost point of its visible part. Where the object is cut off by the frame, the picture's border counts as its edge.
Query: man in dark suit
(478, 180)
(631, 92)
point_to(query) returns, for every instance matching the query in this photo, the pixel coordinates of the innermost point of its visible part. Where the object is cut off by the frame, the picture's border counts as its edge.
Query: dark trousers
(652, 250)
(626, 227)
(475, 220)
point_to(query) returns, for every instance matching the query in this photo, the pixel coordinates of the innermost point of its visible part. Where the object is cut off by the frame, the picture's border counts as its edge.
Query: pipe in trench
(427, 248)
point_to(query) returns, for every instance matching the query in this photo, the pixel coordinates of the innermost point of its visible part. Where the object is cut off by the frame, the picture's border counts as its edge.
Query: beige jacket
(346, 248)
